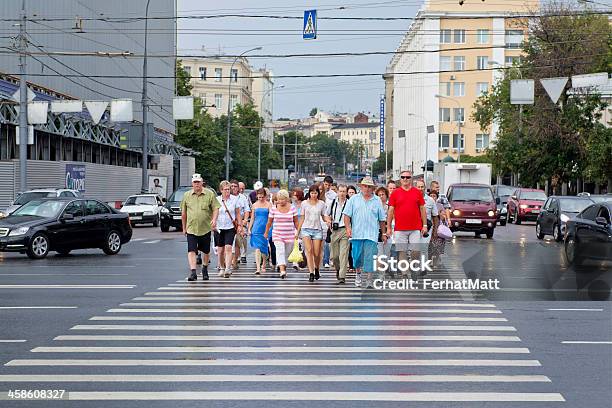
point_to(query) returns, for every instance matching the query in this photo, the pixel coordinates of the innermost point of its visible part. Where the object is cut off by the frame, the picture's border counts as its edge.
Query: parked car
(473, 208)
(143, 208)
(555, 214)
(503, 192)
(63, 225)
(170, 214)
(27, 196)
(525, 204)
(589, 234)
(600, 198)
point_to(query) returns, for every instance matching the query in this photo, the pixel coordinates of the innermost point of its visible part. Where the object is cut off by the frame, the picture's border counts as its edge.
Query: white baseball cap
(257, 185)
(197, 177)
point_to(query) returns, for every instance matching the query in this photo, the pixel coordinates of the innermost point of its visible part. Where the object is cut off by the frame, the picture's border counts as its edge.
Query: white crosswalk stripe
(251, 338)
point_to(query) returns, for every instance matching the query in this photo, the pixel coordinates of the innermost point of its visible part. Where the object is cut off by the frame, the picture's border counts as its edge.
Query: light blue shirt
(365, 216)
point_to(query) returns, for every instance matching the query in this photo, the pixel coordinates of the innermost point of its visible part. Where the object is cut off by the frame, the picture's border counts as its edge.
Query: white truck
(452, 173)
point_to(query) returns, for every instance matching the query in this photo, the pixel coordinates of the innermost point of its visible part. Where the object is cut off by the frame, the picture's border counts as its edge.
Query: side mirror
(67, 217)
(601, 221)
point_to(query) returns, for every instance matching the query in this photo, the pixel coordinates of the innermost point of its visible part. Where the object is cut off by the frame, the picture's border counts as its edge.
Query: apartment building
(365, 132)
(446, 60)
(263, 98)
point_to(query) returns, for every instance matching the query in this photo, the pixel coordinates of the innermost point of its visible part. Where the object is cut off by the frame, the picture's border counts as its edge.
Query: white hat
(257, 185)
(197, 177)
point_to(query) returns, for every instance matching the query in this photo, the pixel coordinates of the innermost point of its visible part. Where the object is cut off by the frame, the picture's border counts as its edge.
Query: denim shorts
(311, 233)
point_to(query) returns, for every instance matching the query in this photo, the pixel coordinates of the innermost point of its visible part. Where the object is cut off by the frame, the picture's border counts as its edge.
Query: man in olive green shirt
(199, 211)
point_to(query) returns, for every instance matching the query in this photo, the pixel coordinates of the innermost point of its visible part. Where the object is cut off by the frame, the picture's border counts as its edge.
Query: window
(234, 75)
(67, 194)
(458, 115)
(445, 63)
(456, 141)
(482, 36)
(93, 207)
(459, 63)
(233, 101)
(443, 141)
(445, 88)
(218, 74)
(482, 141)
(401, 133)
(604, 213)
(75, 209)
(187, 70)
(218, 101)
(459, 36)
(459, 88)
(514, 38)
(445, 36)
(512, 60)
(482, 62)
(444, 115)
(203, 73)
(482, 88)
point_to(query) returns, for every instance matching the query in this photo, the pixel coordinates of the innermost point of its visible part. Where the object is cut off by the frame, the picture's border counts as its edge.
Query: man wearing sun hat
(199, 211)
(363, 217)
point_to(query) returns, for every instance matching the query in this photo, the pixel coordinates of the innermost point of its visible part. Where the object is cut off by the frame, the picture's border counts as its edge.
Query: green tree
(313, 112)
(183, 85)
(379, 165)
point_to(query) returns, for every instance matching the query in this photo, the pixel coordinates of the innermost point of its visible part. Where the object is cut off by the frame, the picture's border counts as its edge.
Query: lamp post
(426, 144)
(458, 124)
(145, 128)
(259, 144)
(229, 109)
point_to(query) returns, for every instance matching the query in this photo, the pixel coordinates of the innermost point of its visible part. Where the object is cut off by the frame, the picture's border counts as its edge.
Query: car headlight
(564, 218)
(165, 210)
(523, 206)
(456, 213)
(19, 231)
(491, 213)
(2, 215)
(149, 213)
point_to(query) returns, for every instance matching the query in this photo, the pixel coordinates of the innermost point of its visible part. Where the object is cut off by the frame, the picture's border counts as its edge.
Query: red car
(473, 208)
(525, 204)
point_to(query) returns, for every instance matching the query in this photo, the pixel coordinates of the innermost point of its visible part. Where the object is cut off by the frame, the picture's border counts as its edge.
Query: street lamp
(458, 123)
(259, 146)
(229, 106)
(145, 128)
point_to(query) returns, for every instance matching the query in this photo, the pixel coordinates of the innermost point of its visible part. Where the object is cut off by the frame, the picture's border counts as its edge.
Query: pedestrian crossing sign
(310, 25)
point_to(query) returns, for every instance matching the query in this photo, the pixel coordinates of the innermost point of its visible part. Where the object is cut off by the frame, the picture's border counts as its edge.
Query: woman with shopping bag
(283, 221)
(437, 243)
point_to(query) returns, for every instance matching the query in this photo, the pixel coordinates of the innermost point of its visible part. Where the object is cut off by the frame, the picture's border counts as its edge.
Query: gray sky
(302, 94)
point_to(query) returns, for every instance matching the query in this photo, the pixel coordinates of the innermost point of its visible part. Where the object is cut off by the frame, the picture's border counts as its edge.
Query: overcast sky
(300, 95)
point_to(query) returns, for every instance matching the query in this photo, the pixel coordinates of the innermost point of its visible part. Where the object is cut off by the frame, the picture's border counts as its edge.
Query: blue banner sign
(382, 124)
(75, 177)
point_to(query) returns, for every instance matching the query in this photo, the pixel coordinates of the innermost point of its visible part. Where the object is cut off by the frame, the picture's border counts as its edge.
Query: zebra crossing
(290, 342)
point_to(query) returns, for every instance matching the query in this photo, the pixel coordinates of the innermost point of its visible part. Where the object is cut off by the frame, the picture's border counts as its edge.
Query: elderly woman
(436, 245)
(229, 223)
(283, 218)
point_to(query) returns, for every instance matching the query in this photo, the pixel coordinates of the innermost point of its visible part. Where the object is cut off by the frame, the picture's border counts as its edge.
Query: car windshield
(574, 205)
(533, 195)
(45, 209)
(505, 191)
(472, 194)
(32, 195)
(601, 199)
(141, 200)
(177, 196)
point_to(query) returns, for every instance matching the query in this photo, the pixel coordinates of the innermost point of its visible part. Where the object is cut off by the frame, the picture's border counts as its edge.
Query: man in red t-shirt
(407, 208)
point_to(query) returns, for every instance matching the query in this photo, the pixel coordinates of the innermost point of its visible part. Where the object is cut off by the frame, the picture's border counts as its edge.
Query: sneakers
(283, 274)
(205, 273)
(243, 260)
(193, 277)
(221, 272)
(326, 266)
(341, 281)
(358, 279)
(228, 272)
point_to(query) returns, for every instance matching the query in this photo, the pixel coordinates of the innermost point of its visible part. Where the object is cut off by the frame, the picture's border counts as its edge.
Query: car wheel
(477, 234)
(570, 252)
(39, 247)
(539, 234)
(156, 223)
(164, 227)
(490, 233)
(112, 245)
(557, 233)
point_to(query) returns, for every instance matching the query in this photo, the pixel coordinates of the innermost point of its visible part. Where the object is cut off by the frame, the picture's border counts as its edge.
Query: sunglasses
(405, 177)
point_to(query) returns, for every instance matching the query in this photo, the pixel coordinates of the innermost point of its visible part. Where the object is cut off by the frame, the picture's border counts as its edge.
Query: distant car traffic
(524, 205)
(63, 225)
(600, 198)
(27, 196)
(589, 234)
(473, 208)
(555, 214)
(143, 208)
(503, 192)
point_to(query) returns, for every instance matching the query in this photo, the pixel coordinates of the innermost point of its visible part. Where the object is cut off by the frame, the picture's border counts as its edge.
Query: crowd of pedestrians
(337, 226)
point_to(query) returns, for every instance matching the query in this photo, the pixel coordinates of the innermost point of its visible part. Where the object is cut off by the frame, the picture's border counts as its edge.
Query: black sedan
(62, 225)
(589, 235)
(555, 214)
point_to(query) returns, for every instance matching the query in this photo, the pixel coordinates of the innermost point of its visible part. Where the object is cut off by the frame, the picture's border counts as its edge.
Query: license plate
(535, 211)
(469, 221)
(176, 217)
(136, 218)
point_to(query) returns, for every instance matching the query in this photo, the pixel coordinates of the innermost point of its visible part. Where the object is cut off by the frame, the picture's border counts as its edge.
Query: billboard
(75, 177)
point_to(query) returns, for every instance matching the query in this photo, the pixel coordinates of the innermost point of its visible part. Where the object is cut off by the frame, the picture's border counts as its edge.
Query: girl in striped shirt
(283, 219)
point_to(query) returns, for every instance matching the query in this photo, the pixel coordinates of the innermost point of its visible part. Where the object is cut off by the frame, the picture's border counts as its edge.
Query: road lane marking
(354, 337)
(315, 318)
(298, 302)
(67, 286)
(316, 295)
(237, 395)
(303, 349)
(301, 301)
(276, 362)
(288, 310)
(12, 341)
(577, 310)
(302, 327)
(586, 342)
(191, 378)
(155, 241)
(37, 307)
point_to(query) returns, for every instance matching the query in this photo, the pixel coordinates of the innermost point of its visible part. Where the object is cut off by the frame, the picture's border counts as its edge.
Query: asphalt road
(128, 331)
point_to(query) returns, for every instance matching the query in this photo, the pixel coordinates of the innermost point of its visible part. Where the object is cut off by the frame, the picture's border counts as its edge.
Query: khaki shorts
(408, 240)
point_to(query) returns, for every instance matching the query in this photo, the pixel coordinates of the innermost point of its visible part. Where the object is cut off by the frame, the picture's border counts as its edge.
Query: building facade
(263, 97)
(445, 61)
(219, 82)
(367, 133)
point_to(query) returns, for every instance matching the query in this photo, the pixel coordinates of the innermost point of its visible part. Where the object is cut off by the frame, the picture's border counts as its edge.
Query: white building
(263, 98)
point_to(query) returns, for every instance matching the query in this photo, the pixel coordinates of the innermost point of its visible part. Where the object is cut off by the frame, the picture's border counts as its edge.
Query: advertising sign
(75, 177)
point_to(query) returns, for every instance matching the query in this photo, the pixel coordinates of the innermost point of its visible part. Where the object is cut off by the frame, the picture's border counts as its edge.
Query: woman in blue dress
(257, 227)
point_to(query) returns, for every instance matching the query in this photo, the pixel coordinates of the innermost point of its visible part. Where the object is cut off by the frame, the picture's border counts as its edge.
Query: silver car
(26, 197)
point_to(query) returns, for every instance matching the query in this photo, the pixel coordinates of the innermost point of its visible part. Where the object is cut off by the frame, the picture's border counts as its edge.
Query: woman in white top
(229, 223)
(311, 229)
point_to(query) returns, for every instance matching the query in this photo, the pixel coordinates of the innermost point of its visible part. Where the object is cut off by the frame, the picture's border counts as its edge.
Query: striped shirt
(282, 224)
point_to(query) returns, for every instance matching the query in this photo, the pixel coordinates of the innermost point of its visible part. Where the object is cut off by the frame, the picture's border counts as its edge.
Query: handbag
(444, 232)
(234, 222)
(296, 255)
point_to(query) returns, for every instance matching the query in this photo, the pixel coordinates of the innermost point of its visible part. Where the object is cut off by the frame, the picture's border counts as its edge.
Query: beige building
(456, 50)
(367, 133)
(263, 98)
